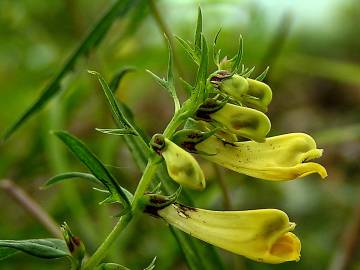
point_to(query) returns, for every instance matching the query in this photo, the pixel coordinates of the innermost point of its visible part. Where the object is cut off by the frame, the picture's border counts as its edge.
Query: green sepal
(151, 203)
(189, 138)
(208, 107)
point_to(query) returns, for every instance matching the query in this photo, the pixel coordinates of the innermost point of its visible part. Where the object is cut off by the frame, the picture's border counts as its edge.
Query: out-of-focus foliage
(314, 74)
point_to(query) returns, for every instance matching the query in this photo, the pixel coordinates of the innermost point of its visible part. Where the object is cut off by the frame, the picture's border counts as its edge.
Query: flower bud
(241, 121)
(74, 244)
(251, 93)
(182, 167)
(261, 235)
(235, 86)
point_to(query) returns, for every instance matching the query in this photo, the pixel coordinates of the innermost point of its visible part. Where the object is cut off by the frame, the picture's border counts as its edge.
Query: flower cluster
(225, 123)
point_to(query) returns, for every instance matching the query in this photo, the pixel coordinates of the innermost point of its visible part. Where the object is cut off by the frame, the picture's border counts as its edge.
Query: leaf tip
(93, 72)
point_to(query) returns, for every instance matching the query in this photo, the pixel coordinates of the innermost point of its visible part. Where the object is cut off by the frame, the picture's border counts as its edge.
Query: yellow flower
(261, 235)
(243, 121)
(281, 157)
(182, 167)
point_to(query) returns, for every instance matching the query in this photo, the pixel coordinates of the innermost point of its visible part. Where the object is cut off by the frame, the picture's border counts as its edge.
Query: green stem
(144, 182)
(125, 220)
(110, 239)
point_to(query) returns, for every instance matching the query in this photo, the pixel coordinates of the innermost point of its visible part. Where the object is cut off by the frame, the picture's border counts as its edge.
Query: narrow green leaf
(189, 50)
(117, 114)
(198, 33)
(262, 76)
(87, 176)
(96, 167)
(69, 175)
(238, 57)
(43, 248)
(216, 54)
(202, 71)
(169, 83)
(160, 81)
(118, 9)
(7, 252)
(170, 69)
(116, 131)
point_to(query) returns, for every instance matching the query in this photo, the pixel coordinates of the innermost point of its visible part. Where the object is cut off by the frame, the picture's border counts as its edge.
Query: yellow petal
(260, 235)
(286, 248)
(278, 158)
(182, 167)
(243, 121)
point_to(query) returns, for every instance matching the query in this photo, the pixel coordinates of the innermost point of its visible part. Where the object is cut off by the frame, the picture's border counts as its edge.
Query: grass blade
(118, 9)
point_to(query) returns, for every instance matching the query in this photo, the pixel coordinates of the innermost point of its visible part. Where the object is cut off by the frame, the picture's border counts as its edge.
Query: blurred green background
(313, 49)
